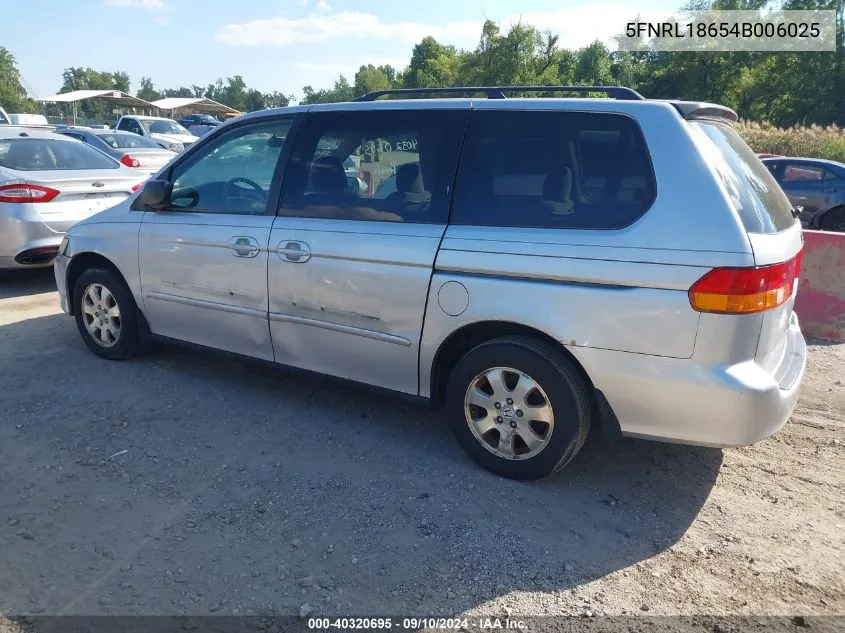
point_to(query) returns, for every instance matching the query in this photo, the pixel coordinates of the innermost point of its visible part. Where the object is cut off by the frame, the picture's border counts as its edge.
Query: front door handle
(293, 251)
(243, 246)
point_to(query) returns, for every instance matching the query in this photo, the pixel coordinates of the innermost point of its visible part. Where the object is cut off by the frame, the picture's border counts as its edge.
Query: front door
(364, 206)
(808, 186)
(203, 259)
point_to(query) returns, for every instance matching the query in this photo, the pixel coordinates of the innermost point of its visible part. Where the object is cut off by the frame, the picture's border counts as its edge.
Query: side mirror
(154, 195)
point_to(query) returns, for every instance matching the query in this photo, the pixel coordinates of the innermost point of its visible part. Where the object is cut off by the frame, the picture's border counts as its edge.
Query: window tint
(127, 141)
(390, 166)
(830, 175)
(799, 172)
(154, 126)
(755, 194)
(51, 155)
(553, 170)
(233, 174)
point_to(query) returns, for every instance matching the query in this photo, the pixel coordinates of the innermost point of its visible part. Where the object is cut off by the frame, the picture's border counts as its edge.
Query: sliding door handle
(293, 251)
(243, 246)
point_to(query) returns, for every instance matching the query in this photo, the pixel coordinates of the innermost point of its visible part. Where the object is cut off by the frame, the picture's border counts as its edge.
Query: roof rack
(498, 92)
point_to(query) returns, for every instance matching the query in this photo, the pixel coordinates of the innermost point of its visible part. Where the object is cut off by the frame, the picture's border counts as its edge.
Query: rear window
(754, 192)
(127, 141)
(553, 170)
(51, 155)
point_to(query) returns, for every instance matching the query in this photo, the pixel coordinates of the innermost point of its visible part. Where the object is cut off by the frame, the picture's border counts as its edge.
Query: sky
(274, 44)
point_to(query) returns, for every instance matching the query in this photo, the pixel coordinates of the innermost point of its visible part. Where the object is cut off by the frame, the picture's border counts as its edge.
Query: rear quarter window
(553, 170)
(752, 189)
(51, 155)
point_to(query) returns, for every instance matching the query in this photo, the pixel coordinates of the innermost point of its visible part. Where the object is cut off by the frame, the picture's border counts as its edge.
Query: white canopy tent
(177, 106)
(116, 97)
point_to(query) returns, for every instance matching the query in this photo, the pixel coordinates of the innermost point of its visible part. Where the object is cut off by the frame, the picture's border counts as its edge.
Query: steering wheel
(262, 195)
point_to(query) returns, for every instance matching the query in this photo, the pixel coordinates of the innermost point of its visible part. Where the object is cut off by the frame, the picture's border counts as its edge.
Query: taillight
(138, 186)
(127, 160)
(27, 193)
(745, 290)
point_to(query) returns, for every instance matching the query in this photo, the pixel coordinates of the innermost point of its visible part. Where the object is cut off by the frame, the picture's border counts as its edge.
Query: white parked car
(30, 120)
(166, 132)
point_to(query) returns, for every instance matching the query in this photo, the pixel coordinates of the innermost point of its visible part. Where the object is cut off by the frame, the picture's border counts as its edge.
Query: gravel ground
(186, 483)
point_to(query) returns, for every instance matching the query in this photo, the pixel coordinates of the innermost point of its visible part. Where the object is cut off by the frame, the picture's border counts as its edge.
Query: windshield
(127, 141)
(162, 127)
(756, 195)
(51, 155)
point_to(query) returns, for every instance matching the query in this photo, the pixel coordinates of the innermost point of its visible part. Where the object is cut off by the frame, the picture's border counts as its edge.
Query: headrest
(556, 191)
(327, 175)
(409, 178)
(558, 185)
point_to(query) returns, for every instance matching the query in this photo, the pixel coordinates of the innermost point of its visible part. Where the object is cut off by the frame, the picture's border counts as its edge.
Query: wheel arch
(821, 215)
(471, 335)
(82, 262)
(87, 260)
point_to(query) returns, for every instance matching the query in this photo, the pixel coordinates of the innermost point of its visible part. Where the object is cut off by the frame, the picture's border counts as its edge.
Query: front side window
(51, 155)
(234, 173)
(388, 166)
(802, 173)
(553, 170)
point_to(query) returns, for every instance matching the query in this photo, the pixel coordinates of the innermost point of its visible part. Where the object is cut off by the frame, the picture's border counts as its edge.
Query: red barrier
(820, 303)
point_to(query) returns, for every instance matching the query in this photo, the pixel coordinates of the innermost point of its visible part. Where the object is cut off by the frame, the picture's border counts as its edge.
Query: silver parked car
(536, 267)
(138, 152)
(48, 182)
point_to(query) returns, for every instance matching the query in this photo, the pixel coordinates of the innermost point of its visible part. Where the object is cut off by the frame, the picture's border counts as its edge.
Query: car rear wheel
(833, 220)
(106, 315)
(518, 407)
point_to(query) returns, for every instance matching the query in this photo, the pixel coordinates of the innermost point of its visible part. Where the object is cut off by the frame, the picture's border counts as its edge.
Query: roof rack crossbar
(498, 92)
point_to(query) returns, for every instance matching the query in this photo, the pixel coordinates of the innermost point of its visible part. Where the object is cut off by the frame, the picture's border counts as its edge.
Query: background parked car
(29, 120)
(4, 118)
(200, 130)
(166, 132)
(48, 182)
(815, 187)
(198, 119)
(136, 152)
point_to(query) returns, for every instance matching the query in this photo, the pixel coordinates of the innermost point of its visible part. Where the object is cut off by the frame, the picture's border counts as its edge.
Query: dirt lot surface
(188, 483)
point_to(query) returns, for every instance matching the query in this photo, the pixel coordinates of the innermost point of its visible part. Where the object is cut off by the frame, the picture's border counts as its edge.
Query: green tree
(147, 91)
(593, 67)
(341, 91)
(13, 97)
(369, 79)
(276, 99)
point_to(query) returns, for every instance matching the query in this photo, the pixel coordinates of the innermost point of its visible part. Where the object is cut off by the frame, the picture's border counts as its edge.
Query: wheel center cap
(507, 411)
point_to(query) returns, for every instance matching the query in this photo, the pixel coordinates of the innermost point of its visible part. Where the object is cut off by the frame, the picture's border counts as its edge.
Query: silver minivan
(536, 266)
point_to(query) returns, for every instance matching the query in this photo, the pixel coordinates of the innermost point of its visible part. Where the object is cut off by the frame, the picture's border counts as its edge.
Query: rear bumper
(22, 238)
(674, 400)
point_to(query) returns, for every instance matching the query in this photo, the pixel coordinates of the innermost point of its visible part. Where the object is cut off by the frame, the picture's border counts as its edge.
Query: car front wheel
(106, 315)
(518, 407)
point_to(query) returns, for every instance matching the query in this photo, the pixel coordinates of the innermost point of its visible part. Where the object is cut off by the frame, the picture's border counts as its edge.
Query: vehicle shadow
(184, 482)
(20, 283)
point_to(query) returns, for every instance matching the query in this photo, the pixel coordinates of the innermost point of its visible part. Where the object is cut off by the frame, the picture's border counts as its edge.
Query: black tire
(567, 394)
(128, 341)
(833, 220)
